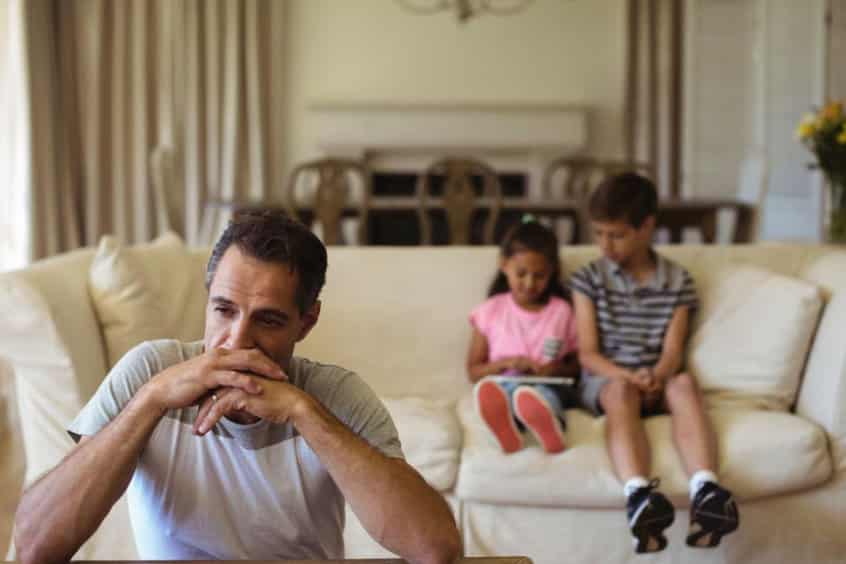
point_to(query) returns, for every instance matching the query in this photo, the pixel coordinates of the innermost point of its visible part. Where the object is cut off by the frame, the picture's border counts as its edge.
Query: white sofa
(768, 348)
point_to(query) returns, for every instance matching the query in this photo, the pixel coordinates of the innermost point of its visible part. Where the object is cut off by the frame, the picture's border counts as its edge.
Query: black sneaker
(712, 515)
(649, 513)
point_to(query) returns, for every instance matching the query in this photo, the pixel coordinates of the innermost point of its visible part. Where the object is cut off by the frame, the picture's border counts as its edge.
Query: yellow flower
(805, 130)
(832, 111)
(807, 127)
(842, 137)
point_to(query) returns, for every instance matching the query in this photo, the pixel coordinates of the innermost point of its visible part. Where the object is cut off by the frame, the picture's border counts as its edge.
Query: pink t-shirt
(544, 335)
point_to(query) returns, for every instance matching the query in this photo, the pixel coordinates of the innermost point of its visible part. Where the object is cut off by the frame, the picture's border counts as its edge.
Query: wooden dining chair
(331, 197)
(569, 178)
(460, 200)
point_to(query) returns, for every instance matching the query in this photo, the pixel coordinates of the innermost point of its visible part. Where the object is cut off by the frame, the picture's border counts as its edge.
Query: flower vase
(837, 226)
(836, 230)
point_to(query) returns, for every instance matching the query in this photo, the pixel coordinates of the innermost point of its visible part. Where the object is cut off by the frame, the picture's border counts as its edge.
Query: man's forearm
(395, 505)
(62, 510)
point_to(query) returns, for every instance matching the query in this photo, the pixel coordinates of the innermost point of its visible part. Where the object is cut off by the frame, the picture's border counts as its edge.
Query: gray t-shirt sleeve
(583, 282)
(132, 371)
(356, 405)
(687, 294)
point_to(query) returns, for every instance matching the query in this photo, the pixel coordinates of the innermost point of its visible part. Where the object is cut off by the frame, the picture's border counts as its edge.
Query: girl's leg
(539, 408)
(493, 404)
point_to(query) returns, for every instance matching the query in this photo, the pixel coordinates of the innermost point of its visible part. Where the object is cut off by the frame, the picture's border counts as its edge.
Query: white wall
(753, 67)
(556, 51)
(720, 103)
(837, 51)
(795, 81)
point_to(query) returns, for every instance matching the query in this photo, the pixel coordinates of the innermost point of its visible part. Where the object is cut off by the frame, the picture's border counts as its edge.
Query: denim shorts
(590, 386)
(559, 398)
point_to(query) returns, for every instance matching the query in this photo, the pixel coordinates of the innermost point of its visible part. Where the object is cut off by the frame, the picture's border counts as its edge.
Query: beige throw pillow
(752, 336)
(144, 292)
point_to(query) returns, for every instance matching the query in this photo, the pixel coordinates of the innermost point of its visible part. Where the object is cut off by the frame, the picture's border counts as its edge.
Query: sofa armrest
(822, 395)
(51, 340)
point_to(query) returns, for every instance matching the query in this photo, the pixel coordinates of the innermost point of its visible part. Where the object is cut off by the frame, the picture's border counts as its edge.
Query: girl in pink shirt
(526, 327)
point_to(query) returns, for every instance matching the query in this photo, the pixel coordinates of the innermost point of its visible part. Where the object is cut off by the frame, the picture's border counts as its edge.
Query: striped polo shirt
(632, 317)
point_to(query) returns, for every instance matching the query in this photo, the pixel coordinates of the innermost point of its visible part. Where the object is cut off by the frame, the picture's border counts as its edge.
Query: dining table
(674, 214)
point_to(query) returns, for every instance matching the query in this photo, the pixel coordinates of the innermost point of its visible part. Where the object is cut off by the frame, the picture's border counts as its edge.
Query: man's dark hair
(628, 197)
(272, 236)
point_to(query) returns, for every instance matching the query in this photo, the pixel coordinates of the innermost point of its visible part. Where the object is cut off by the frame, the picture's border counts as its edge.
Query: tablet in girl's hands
(532, 379)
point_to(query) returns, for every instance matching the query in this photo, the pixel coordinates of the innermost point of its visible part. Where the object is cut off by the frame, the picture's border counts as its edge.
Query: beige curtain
(229, 53)
(653, 98)
(54, 195)
(141, 110)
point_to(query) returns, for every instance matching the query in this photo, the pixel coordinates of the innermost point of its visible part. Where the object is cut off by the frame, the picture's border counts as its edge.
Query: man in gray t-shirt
(232, 447)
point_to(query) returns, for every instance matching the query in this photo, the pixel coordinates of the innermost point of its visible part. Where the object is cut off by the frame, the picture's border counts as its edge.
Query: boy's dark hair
(628, 197)
(272, 236)
(531, 236)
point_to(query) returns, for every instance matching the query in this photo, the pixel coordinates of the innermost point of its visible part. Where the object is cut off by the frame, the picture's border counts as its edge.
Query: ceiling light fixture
(466, 9)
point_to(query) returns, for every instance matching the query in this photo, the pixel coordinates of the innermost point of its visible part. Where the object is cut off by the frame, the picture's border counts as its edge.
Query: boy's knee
(682, 386)
(618, 393)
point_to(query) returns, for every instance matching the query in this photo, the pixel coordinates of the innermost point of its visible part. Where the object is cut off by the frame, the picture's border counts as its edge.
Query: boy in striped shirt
(633, 308)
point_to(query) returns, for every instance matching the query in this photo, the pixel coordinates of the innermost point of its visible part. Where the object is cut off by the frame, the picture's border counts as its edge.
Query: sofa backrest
(398, 316)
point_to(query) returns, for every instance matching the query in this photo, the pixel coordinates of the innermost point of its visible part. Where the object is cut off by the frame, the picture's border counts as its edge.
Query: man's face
(619, 241)
(252, 305)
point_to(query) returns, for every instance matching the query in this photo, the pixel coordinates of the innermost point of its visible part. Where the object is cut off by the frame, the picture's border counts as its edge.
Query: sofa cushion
(752, 336)
(430, 436)
(761, 453)
(148, 291)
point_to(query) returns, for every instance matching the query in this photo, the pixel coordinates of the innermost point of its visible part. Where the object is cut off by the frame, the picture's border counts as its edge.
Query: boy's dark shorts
(590, 388)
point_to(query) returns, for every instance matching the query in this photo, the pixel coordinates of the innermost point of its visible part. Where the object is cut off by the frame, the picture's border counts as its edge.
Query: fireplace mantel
(408, 136)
